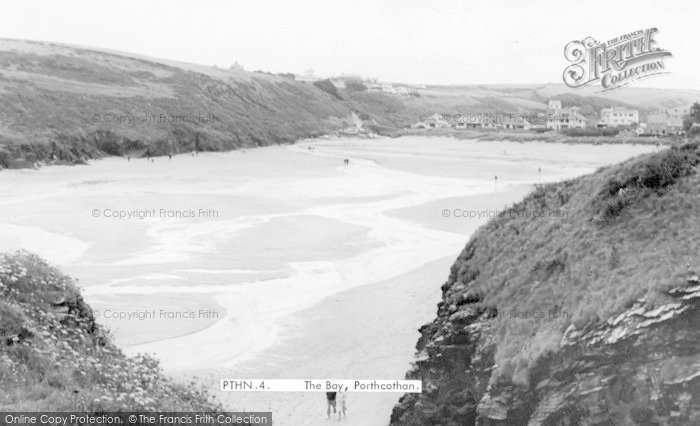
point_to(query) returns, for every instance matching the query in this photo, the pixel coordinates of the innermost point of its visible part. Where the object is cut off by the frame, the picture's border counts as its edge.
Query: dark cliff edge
(55, 357)
(586, 314)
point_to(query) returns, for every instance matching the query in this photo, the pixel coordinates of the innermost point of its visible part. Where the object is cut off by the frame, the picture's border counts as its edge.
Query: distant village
(624, 121)
(617, 120)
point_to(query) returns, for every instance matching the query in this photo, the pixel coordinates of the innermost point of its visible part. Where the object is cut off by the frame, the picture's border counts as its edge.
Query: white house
(563, 118)
(566, 119)
(613, 117)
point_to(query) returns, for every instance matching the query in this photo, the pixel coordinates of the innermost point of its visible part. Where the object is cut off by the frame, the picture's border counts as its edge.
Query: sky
(410, 41)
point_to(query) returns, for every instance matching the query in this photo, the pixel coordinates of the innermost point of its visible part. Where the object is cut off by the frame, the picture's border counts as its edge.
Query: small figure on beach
(539, 170)
(346, 161)
(340, 401)
(170, 156)
(495, 178)
(330, 402)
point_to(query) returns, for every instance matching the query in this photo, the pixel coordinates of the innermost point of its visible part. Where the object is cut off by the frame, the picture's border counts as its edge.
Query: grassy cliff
(54, 357)
(63, 104)
(577, 306)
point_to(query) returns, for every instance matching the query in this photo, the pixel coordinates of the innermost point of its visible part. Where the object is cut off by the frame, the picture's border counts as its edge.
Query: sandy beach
(278, 262)
(359, 333)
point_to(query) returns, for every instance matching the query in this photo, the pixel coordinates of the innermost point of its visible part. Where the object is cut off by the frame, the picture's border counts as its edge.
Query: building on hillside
(514, 123)
(404, 90)
(308, 76)
(559, 117)
(566, 120)
(472, 122)
(384, 87)
(435, 121)
(667, 121)
(614, 117)
(538, 122)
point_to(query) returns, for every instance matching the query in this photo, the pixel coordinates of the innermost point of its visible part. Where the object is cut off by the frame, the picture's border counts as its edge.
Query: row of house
(556, 118)
(666, 121)
(374, 85)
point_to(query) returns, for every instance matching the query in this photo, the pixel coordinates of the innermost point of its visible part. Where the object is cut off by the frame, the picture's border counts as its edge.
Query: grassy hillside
(54, 357)
(62, 104)
(578, 305)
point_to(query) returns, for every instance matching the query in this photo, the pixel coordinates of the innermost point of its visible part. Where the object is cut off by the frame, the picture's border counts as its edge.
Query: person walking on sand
(330, 402)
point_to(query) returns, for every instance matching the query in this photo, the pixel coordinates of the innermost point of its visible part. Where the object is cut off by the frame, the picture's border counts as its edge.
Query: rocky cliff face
(639, 364)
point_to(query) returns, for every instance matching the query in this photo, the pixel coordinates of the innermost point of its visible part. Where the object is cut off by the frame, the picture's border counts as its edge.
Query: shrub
(652, 176)
(355, 86)
(591, 132)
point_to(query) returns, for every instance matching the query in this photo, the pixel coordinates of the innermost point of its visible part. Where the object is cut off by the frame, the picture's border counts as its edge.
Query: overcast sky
(439, 42)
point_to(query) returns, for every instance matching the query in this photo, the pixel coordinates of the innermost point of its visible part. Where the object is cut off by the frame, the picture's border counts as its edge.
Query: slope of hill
(64, 104)
(586, 314)
(54, 357)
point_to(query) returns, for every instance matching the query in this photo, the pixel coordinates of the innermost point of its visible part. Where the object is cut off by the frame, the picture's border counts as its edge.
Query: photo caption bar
(321, 385)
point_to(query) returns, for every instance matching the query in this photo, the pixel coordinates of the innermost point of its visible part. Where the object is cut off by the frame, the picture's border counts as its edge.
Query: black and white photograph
(349, 212)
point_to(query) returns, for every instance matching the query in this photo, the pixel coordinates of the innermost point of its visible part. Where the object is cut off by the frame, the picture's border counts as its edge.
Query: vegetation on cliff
(578, 305)
(63, 105)
(54, 357)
